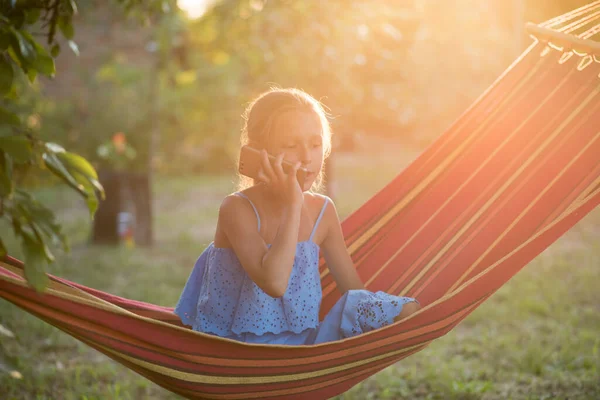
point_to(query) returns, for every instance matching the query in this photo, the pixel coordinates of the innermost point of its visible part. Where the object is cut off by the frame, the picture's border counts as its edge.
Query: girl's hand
(285, 185)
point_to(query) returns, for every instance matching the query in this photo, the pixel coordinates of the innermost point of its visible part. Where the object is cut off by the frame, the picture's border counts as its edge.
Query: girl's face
(298, 135)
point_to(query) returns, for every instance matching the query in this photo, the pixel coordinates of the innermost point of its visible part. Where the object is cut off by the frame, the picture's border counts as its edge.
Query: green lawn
(536, 338)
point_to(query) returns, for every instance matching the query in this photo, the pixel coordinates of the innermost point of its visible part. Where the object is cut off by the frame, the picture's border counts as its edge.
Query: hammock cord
(553, 22)
(574, 26)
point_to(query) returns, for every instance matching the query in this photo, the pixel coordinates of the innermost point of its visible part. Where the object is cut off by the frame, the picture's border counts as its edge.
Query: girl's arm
(336, 254)
(269, 267)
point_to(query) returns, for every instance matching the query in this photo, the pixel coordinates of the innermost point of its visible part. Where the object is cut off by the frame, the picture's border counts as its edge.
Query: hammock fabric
(515, 172)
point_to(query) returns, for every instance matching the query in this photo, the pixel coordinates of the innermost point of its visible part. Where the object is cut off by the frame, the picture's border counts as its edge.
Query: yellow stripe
(53, 316)
(309, 389)
(435, 173)
(481, 274)
(249, 380)
(583, 200)
(451, 242)
(449, 295)
(365, 236)
(72, 295)
(280, 392)
(502, 189)
(60, 287)
(585, 194)
(577, 196)
(194, 377)
(521, 215)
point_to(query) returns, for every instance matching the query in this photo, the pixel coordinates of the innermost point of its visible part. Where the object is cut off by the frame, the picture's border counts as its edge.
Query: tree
(22, 58)
(22, 151)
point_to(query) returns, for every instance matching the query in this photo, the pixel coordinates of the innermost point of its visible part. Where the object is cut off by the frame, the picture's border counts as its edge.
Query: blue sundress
(219, 298)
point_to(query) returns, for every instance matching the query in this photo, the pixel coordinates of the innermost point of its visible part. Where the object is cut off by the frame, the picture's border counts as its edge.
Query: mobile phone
(251, 160)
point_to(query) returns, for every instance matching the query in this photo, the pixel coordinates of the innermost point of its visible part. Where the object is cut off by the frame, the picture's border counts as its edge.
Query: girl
(258, 282)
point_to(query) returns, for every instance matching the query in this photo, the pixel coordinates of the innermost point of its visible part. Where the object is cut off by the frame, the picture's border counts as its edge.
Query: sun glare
(193, 8)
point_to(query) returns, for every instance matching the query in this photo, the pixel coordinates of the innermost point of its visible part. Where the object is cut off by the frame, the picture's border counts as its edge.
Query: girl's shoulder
(317, 200)
(235, 204)
(236, 215)
(324, 213)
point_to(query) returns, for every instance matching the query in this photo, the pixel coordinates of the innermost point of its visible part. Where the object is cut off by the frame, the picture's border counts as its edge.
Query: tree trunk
(139, 185)
(105, 221)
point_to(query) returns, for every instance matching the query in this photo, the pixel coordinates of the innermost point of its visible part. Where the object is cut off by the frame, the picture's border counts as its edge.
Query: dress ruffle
(358, 312)
(365, 311)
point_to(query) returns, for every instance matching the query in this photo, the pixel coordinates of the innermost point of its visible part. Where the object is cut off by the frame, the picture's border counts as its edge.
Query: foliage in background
(22, 150)
(117, 152)
(403, 71)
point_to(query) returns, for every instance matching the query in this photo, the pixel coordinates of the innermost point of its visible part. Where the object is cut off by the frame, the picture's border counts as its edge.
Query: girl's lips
(310, 175)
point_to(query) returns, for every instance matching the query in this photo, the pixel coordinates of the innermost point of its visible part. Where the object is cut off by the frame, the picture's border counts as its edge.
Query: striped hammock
(513, 174)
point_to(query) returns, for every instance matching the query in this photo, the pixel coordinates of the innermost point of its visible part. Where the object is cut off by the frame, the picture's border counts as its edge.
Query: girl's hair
(261, 114)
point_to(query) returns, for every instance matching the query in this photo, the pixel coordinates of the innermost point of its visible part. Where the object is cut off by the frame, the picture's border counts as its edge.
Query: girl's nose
(305, 158)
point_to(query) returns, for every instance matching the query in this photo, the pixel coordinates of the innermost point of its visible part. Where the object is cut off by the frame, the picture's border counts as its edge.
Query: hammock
(515, 172)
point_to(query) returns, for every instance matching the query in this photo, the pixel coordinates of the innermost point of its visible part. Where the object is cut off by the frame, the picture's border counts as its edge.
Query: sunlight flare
(194, 8)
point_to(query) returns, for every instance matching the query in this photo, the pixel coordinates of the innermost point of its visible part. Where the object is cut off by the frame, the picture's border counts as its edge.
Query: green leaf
(17, 18)
(35, 263)
(54, 148)
(40, 50)
(91, 199)
(92, 203)
(84, 176)
(17, 147)
(45, 65)
(74, 47)
(6, 117)
(32, 15)
(42, 220)
(72, 6)
(66, 27)
(23, 46)
(99, 188)
(58, 169)
(75, 161)
(17, 59)
(55, 51)
(6, 75)
(4, 40)
(6, 175)
(31, 74)
(38, 233)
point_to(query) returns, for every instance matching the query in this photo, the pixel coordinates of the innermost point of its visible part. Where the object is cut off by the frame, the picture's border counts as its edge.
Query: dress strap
(252, 204)
(319, 219)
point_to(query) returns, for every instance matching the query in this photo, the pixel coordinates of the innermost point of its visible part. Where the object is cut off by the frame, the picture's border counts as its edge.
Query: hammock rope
(517, 170)
(577, 14)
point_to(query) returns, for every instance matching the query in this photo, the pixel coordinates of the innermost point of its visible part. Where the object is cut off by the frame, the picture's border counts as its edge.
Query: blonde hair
(262, 112)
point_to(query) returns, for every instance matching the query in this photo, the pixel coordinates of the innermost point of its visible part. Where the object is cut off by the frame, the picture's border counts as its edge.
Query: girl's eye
(316, 145)
(290, 146)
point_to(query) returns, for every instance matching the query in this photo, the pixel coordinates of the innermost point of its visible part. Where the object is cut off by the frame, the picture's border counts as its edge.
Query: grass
(536, 338)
